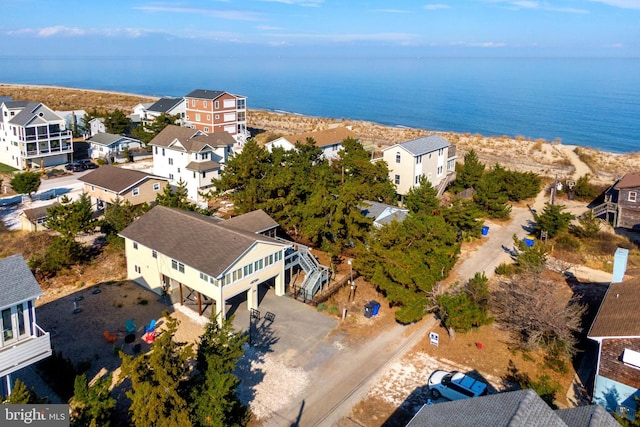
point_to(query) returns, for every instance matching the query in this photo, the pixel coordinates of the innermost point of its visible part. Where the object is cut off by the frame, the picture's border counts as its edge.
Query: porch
(25, 351)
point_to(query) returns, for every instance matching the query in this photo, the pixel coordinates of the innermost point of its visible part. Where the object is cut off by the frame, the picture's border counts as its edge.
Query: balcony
(25, 352)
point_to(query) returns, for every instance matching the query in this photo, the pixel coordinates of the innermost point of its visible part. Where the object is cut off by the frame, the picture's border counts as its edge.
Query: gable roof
(196, 240)
(107, 139)
(17, 283)
(34, 113)
(205, 94)
(630, 180)
(207, 165)
(256, 222)
(423, 145)
(618, 315)
(192, 140)
(587, 416)
(520, 408)
(117, 179)
(381, 213)
(164, 105)
(324, 137)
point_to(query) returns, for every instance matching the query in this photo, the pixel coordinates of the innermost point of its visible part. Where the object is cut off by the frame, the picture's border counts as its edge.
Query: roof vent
(41, 114)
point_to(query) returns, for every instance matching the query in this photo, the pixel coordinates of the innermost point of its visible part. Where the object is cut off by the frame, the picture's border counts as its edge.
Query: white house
(329, 140)
(191, 156)
(109, 146)
(96, 125)
(432, 157)
(170, 106)
(22, 341)
(33, 135)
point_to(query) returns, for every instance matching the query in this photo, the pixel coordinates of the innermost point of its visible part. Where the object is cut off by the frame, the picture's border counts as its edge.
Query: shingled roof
(520, 408)
(630, 180)
(163, 105)
(116, 179)
(17, 283)
(618, 315)
(196, 240)
(192, 140)
(325, 137)
(105, 138)
(205, 94)
(257, 221)
(423, 145)
(34, 113)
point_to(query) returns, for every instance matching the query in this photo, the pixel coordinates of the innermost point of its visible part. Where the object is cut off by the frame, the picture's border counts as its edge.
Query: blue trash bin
(485, 230)
(375, 307)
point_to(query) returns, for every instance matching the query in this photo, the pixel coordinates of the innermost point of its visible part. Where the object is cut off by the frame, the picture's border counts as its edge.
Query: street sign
(433, 337)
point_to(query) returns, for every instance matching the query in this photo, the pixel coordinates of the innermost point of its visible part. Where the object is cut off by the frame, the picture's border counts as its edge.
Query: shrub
(505, 269)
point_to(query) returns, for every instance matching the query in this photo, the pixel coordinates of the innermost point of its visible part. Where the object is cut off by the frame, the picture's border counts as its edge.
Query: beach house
(191, 156)
(110, 147)
(22, 342)
(108, 183)
(174, 107)
(33, 136)
(205, 260)
(328, 140)
(432, 157)
(621, 205)
(214, 111)
(616, 330)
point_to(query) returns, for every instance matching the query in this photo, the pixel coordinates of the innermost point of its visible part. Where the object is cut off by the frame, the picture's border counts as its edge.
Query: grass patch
(6, 168)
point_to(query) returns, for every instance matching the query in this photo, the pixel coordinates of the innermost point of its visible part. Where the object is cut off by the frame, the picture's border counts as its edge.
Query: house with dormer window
(33, 136)
(22, 342)
(191, 156)
(431, 157)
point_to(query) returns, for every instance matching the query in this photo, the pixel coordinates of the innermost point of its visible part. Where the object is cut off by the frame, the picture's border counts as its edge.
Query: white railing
(22, 353)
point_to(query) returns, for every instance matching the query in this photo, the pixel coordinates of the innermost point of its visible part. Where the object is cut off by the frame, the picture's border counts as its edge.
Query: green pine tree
(92, 405)
(26, 183)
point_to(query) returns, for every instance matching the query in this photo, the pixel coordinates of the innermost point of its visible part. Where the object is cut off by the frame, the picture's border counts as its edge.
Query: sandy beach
(548, 158)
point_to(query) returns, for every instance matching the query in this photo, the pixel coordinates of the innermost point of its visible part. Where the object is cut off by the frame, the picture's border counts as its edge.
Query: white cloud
(401, 38)
(307, 3)
(237, 15)
(624, 4)
(269, 28)
(479, 44)
(436, 6)
(61, 31)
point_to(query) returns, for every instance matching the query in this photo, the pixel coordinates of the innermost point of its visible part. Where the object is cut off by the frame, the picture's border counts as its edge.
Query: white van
(455, 385)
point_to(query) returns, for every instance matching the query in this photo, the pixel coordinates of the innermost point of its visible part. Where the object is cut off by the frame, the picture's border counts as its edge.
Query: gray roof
(618, 315)
(38, 212)
(110, 138)
(257, 221)
(196, 240)
(193, 140)
(164, 105)
(423, 145)
(34, 113)
(17, 104)
(17, 283)
(513, 409)
(205, 94)
(381, 213)
(117, 179)
(587, 416)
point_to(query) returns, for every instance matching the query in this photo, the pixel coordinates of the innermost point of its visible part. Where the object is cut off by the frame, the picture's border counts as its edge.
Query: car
(88, 164)
(455, 385)
(75, 167)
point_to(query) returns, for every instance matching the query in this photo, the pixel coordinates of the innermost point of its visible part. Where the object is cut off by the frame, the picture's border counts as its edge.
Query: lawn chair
(150, 327)
(130, 327)
(110, 337)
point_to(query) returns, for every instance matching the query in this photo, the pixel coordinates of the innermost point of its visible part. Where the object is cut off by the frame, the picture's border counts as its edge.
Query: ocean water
(586, 102)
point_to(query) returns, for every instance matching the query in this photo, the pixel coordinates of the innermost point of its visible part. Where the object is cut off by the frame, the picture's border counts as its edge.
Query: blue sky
(321, 27)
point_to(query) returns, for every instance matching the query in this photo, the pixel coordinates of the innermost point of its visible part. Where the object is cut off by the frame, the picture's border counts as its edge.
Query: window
(206, 129)
(171, 176)
(633, 196)
(154, 253)
(156, 186)
(258, 265)
(135, 245)
(177, 265)
(193, 102)
(208, 117)
(204, 174)
(241, 104)
(217, 116)
(248, 269)
(207, 278)
(204, 156)
(417, 180)
(216, 105)
(93, 188)
(418, 159)
(197, 117)
(397, 157)
(163, 151)
(170, 161)
(136, 191)
(204, 104)
(396, 179)
(439, 170)
(137, 269)
(237, 274)
(178, 170)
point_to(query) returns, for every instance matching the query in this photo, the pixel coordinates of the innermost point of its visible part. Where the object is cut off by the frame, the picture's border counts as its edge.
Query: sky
(251, 28)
